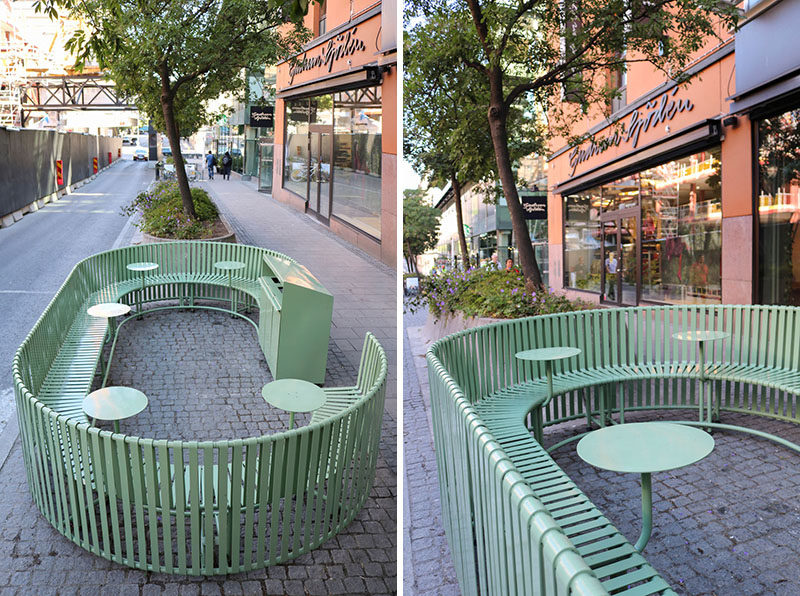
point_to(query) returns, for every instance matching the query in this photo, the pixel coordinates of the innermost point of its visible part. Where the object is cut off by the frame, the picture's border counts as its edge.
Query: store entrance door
(265, 163)
(319, 190)
(620, 274)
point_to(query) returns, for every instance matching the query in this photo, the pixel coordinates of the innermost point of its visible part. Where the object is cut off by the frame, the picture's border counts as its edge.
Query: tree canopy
(420, 226)
(447, 137)
(170, 57)
(562, 55)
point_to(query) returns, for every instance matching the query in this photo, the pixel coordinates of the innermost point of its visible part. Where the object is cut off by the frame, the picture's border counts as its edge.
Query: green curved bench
(530, 529)
(190, 507)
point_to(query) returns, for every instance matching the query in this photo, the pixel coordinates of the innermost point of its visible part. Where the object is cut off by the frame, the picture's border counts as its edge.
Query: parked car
(166, 150)
(140, 155)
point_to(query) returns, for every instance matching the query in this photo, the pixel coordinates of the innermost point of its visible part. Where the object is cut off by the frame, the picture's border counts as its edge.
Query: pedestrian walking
(227, 162)
(211, 162)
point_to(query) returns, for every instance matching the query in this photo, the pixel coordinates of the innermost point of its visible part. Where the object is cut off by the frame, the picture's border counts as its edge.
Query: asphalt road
(38, 252)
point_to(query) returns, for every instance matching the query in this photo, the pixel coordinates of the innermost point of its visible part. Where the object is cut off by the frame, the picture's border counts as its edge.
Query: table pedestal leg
(538, 414)
(141, 299)
(291, 420)
(116, 426)
(230, 288)
(548, 368)
(647, 512)
(703, 393)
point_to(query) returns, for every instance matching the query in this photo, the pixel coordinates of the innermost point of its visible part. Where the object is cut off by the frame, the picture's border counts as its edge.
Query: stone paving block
(192, 400)
(726, 526)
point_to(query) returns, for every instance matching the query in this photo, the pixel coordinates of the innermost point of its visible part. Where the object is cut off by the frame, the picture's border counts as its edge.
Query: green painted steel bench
(210, 507)
(530, 529)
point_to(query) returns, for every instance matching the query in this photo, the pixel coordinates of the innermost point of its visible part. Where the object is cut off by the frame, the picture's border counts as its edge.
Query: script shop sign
(534, 206)
(263, 116)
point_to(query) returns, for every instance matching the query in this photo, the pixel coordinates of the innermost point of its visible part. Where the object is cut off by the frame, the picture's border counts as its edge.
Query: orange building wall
(642, 78)
(389, 111)
(708, 91)
(369, 32)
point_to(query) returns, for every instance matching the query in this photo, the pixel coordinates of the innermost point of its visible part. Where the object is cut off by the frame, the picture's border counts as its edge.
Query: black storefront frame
(649, 163)
(332, 92)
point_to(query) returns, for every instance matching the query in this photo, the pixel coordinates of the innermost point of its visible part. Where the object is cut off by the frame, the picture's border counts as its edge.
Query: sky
(407, 176)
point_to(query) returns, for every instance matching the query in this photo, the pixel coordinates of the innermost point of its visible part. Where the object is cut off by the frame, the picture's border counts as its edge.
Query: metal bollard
(157, 171)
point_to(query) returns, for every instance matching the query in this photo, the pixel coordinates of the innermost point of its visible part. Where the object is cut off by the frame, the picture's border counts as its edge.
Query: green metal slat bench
(181, 506)
(505, 501)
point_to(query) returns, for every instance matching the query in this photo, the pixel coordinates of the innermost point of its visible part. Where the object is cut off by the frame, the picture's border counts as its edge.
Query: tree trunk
(168, 109)
(462, 239)
(498, 116)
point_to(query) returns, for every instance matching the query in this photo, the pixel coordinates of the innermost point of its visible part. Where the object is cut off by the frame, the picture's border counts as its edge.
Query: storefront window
(295, 163)
(537, 229)
(679, 240)
(583, 260)
(335, 140)
(682, 230)
(357, 159)
(779, 209)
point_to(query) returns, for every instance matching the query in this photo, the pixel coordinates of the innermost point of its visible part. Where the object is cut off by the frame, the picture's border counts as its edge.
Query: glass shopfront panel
(296, 150)
(779, 209)
(321, 127)
(357, 159)
(583, 245)
(333, 156)
(678, 239)
(682, 230)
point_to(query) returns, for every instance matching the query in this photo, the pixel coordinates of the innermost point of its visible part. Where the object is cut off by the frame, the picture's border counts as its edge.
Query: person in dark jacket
(227, 161)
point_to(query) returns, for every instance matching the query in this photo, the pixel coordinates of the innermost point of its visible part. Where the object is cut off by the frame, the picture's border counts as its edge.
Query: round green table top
(143, 266)
(114, 403)
(643, 447)
(229, 265)
(542, 354)
(107, 310)
(700, 335)
(294, 395)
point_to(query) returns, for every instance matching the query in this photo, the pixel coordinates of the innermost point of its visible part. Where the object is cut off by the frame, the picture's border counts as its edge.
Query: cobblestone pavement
(364, 289)
(427, 566)
(728, 525)
(203, 373)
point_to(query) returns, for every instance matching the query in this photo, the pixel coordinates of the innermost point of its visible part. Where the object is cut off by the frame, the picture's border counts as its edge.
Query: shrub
(482, 292)
(162, 213)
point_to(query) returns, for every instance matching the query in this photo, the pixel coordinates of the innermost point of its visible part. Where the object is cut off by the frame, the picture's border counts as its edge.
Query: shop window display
(779, 209)
(679, 241)
(357, 159)
(583, 248)
(682, 230)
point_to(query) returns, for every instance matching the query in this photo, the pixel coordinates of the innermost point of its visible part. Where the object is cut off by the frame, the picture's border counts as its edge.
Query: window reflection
(681, 230)
(336, 139)
(295, 163)
(779, 209)
(583, 260)
(357, 159)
